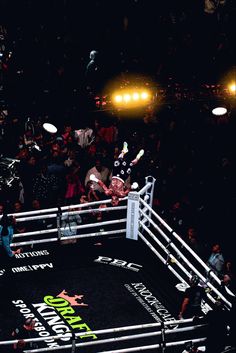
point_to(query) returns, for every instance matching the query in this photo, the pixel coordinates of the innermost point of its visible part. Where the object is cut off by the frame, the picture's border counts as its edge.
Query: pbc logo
(120, 263)
(72, 300)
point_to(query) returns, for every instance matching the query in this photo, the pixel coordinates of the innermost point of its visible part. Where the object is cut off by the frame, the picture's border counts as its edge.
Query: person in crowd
(92, 197)
(68, 221)
(193, 296)
(22, 332)
(74, 187)
(67, 132)
(101, 172)
(192, 239)
(28, 171)
(226, 285)
(121, 171)
(217, 320)
(6, 235)
(44, 187)
(1, 209)
(229, 270)
(37, 224)
(20, 227)
(93, 72)
(216, 260)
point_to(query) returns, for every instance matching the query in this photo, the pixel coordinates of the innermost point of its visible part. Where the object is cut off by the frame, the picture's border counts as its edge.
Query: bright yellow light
(127, 97)
(118, 98)
(144, 95)
(135, 96)
(131, 97)
(232, 87)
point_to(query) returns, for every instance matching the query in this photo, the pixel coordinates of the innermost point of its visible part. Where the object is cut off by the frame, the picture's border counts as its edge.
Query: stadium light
(132, 97)
(232, 87)
(118, 98)
(144, 95)
(127, 97)
(219, 111)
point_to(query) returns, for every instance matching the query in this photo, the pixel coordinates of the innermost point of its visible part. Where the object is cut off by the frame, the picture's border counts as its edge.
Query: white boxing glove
(93, 178)
(134, 186)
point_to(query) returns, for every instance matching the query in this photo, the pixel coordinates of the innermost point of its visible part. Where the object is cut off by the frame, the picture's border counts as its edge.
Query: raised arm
(100, 183)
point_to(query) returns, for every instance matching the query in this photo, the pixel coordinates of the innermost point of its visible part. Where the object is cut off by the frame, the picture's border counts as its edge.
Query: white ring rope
(181, 241)
(192, 253)
(170, 256)
(83, 226)
(145, 211)
(169, 264)
(116, 339)
(161, 258)
(54, 215)
(50, 240)
(63, 208)
(188, 263)
(105, 331)
(154, 346)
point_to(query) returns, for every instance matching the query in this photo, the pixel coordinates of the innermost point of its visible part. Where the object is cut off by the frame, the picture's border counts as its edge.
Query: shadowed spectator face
(114, 200)
(55, 150)
(191, 233)
(1, 209)
(67, 129)
(98, 165)
(23, 154)
(36, 205)
(226, 280)
(216, 248)
(30, 325)
(32, 161)
(17, 207)
(83, 199)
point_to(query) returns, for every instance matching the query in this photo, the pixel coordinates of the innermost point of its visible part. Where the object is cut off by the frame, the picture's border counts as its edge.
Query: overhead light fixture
(232, 87)
(219, 111)
(132, 97)
(50, 128)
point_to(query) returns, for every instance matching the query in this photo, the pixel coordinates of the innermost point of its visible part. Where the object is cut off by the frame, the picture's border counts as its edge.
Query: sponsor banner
(29, 267)
(154, 307)
(119, 263)
(32, 254)
(57, 314)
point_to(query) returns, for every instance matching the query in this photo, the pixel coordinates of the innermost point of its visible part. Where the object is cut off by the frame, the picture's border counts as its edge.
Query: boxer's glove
(93, 178)
(134, 186)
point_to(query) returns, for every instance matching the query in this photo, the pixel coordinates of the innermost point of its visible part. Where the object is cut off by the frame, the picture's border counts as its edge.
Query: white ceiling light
(219, 111)
(50, 128)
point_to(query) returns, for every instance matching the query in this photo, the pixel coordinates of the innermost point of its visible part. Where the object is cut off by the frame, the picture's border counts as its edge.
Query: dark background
(51, 40)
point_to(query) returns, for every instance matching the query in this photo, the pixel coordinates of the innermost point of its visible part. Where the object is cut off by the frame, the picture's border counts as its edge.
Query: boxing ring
(124, 274)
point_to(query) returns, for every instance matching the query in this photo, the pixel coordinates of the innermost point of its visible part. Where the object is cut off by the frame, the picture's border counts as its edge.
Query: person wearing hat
(193, 296)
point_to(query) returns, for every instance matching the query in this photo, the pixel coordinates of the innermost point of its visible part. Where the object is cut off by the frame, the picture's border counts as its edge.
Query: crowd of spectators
(195, 174)
(189, 152)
